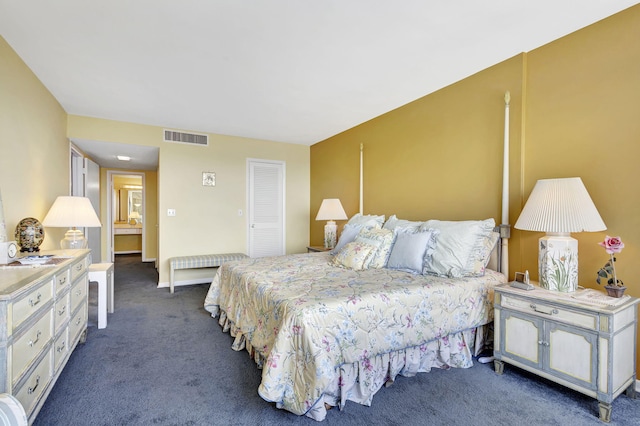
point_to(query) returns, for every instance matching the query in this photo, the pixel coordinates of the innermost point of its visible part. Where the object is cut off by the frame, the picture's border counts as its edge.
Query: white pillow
(460, 247)
(367, 221)
(410, 249)
(393, 222)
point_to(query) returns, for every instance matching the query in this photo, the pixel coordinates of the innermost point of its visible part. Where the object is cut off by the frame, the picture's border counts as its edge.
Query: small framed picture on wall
(208, 179)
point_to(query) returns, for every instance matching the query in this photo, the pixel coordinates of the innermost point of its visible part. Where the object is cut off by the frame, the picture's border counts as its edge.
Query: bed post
(361, 181)
(505, 229)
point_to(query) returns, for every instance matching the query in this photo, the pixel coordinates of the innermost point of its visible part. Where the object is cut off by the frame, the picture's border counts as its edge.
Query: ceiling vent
(182, 137)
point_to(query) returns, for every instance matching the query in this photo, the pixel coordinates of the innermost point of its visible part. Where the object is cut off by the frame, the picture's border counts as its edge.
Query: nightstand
(584, 344)
(314, 249)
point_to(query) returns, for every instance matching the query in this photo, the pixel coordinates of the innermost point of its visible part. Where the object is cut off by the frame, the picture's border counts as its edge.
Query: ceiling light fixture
(123, 158)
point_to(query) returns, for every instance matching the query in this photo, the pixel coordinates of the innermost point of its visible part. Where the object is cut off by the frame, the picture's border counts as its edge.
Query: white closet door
(92, 191)
(266, 193)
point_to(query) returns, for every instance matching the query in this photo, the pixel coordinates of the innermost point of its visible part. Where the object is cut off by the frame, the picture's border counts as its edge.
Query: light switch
(171, 212)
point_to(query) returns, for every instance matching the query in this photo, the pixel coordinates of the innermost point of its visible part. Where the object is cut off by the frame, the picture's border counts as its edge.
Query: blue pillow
(349, 233)
(410, 249)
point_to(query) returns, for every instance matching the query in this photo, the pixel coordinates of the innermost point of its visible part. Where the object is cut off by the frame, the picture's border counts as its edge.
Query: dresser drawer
(31, 302)
(60, 348)
(540, 309)
(61, 312)
(77, 324)
(28, 346)
(62, 281)
(78, 269)
(78, 293)
(29, 393)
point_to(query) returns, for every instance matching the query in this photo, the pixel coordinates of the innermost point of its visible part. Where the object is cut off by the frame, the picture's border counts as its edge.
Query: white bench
(200, 261)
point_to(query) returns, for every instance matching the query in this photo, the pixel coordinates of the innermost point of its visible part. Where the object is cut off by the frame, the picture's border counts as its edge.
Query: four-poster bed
(330, 327)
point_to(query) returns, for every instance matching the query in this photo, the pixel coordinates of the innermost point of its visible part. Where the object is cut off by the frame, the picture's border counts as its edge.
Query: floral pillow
(382, 239)
(354, 255)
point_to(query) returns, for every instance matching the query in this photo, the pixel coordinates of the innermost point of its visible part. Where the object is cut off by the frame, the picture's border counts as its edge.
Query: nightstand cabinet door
(572, 354)
(523, 337)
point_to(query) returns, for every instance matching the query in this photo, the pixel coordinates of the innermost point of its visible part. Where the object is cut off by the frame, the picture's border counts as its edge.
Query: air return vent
(182, 137)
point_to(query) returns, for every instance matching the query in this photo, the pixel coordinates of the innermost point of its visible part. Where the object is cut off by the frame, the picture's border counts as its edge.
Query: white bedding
(325, 334)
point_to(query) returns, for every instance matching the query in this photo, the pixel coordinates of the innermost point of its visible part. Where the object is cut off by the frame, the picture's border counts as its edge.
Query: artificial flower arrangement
(611, 245)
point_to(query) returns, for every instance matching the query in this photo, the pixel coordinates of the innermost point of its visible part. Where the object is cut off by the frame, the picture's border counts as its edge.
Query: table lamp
(559, 207)
(72, 212)
(331, 210)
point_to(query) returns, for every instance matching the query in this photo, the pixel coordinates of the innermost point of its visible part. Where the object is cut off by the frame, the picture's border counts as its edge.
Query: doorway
(126, 213)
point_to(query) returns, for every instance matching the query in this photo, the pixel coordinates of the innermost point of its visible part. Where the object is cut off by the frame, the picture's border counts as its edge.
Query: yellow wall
(207, 218)
(34, 151)
(574, 112)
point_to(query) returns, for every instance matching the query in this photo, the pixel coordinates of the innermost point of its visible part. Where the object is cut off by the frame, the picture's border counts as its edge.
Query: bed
(325, 334)
(327, 328)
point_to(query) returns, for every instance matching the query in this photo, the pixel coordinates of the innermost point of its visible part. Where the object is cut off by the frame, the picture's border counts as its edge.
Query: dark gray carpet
(163, 360)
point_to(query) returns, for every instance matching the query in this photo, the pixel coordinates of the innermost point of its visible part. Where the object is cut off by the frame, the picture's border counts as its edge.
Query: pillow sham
(480, 264)
(393, 222)
(411, 249)
(348, 234)
(367, 221)
(460, 247)
(354, 255)
(382, 239)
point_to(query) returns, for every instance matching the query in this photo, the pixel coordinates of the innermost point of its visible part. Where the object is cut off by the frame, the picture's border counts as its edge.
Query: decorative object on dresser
(72, 212)
(614, 286)
(331, 210)
(559, 207)
(585, 340)
(43, 313)
(29, 234)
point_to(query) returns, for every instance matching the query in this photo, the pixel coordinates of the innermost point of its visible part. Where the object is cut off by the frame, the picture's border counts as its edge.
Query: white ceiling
(281, 70)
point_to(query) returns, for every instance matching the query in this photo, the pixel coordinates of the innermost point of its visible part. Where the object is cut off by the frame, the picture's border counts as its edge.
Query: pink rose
(612, 244)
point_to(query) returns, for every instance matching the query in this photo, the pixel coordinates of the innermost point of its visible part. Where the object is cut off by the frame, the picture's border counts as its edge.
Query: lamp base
(330, 232)
(73, 239)
(558, 262)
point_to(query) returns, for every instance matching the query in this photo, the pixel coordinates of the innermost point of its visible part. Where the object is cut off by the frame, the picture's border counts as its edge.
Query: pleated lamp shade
(72, 212)
(559, 207)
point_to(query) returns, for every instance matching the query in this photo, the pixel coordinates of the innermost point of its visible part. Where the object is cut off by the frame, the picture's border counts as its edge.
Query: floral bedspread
(306, 318)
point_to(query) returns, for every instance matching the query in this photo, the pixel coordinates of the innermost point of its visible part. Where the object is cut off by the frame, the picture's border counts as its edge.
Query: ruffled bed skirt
(358, 382)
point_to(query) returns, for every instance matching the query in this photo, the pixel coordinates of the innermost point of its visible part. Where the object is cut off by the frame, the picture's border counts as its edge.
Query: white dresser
(43, 316)
(586, 346)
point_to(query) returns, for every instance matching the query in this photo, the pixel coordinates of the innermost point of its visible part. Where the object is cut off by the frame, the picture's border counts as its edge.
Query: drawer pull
(79, 320)
(61, 347)
(62, 311)
(543, 343)
(33, 342)
(79, 267)
(547, 311)
(63, 280)
(38, 299)
(33, 389)
(78, 292)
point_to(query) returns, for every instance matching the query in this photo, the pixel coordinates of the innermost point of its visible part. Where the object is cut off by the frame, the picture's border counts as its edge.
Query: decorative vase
(29, 234)
(614, 290)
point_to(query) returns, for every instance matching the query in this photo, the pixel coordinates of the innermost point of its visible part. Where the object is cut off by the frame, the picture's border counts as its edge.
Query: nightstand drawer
(550, 311)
